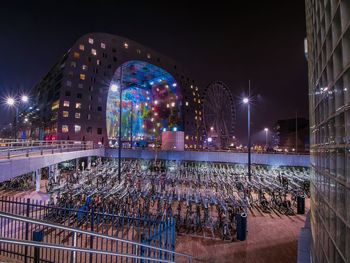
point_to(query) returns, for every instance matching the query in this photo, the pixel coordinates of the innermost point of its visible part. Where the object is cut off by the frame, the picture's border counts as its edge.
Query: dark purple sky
(259, 40)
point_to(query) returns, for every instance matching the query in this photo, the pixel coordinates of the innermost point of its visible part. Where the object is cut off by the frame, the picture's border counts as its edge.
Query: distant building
(288, 138)
(78, 99)
(328, 45)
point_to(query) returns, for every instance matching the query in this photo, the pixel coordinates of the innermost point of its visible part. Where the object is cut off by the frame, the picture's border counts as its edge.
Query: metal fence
(126, 235)
(17, 148)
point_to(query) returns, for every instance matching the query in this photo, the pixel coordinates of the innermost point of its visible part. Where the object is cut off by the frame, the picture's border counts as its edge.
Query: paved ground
(270, 239)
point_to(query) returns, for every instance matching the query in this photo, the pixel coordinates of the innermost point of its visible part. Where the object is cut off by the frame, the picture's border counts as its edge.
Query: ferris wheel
(219, 113)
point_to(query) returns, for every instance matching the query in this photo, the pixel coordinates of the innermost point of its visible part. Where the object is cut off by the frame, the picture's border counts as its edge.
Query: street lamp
(12, 102)
(247, 101)
(266, 132)
(24, 98)
(118, 87)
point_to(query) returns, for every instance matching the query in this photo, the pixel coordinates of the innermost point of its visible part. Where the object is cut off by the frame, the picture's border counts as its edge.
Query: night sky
(261, 40)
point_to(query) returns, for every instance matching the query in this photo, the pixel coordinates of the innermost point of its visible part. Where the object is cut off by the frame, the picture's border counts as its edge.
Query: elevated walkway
(18, 158)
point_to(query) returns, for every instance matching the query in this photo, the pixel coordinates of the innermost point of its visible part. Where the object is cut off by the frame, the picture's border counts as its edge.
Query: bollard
(301, 204)
(241, 226)
(38, 236)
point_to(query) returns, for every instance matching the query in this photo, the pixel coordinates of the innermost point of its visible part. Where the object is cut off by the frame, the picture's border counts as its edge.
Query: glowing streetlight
(24, 98)
(246, 101)
(114, 87)
(211, 128)
(266, 132)
(10, 101)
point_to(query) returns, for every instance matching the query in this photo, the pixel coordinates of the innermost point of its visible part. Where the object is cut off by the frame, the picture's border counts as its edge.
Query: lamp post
(266, 132)
(12, 102)
(246, 101)
(115, 88)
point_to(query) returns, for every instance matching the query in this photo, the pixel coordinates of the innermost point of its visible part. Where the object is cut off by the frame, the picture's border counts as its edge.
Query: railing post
(92, 230)
(27, 232)
(8, 152)
(74, 253)
(142, 249)
(39, 237)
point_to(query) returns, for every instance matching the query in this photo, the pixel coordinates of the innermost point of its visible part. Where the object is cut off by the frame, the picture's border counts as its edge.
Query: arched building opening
(151, 104)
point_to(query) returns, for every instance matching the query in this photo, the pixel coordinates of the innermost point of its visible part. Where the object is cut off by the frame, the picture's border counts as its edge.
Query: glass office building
(328, 53)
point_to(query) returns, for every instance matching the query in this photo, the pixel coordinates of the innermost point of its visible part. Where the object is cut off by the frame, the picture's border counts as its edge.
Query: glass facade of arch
(151, 103)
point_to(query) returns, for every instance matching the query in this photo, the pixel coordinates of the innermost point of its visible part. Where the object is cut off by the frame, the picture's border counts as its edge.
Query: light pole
(266, 132)
(12, 102)
(115, 88)
(246, 101)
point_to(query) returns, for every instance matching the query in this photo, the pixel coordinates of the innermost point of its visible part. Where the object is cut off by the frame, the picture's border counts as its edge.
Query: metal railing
(74, 252)
(20, 148)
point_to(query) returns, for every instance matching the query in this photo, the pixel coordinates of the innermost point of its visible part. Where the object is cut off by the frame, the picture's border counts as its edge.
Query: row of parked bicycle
(205, 198)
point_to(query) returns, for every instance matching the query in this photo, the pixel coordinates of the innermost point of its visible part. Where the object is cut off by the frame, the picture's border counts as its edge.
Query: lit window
(84, 67)
(82, 76)
(77, 115)
(65, 128)
(65, 114)
(186, 103)
(196, 88)
(191, 86)
(78, 105)
(194, 94)
(103, 45)
(138, 51)
(81, 47)
(89, 116)
(77, 128)
(66, 103)
(69, 83)
(126, 45)
(98, 62)
(148, 55)
(76, 55)
(55, 105)
(173, 104)
(194, 99)
(91, 41)
(93, 52)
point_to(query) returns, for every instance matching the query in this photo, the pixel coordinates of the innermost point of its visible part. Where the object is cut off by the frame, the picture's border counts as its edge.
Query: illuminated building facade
(328, 53)
(79, 97)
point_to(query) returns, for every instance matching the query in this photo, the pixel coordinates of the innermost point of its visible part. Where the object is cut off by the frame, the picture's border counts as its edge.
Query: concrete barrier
(226, 157)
